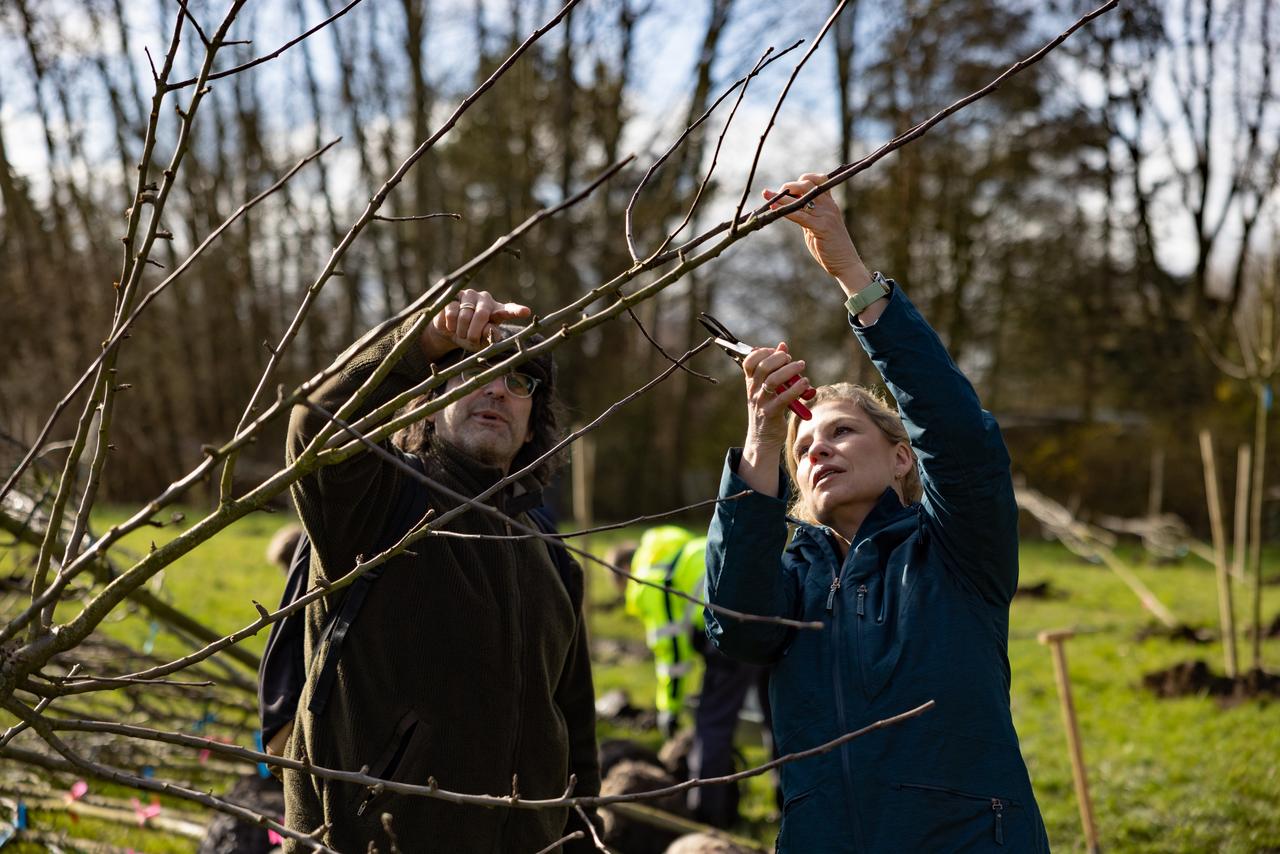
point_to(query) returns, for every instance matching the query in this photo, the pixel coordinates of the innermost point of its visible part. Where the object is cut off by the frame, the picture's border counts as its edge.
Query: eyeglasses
(518, 384)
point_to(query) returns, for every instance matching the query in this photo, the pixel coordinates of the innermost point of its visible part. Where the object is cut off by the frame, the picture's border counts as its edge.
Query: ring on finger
(811, 204)
(469, 305)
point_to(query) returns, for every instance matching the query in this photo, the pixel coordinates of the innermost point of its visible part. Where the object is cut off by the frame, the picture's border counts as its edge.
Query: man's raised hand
(468, 322)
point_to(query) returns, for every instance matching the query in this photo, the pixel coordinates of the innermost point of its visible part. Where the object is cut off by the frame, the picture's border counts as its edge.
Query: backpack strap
(284, 670)
(407, 509)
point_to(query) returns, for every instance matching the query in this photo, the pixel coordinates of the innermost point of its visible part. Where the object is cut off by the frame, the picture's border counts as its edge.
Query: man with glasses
(468, 664)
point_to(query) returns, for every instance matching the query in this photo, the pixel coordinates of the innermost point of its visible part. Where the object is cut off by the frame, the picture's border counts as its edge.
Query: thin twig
(126, 680)
(662, 350)
(577, 834)
(595, 837)
(416, 217)
(777, 107)
(270, 56)
(637, 520)
(715, 155)
(182, 4)
(627, 213)
(12, 732)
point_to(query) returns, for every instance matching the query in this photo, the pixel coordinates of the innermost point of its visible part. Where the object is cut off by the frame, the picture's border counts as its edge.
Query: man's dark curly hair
(545, 418)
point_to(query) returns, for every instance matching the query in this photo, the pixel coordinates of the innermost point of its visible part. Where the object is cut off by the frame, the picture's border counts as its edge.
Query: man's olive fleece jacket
(467, 663)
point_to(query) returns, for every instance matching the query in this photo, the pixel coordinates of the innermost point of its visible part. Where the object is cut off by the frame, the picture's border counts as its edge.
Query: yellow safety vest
(671, 556)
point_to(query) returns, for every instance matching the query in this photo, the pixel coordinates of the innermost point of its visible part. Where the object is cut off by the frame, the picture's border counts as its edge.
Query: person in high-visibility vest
(674, 629)
(673, 557)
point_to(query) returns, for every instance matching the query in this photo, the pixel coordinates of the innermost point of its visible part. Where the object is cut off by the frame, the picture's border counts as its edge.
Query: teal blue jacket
(921, 613)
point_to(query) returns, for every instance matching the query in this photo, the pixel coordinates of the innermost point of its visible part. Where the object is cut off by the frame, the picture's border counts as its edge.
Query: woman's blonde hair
(880, 413)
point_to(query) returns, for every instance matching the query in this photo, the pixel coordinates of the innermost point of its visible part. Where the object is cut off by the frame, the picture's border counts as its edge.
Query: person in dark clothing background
(468, 663)
(672, 555)
(906, 550)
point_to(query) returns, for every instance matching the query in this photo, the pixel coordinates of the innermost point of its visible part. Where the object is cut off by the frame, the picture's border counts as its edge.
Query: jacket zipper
(997, 804)
(387, 773)
(519, 635)
(862, 596)
(839, 688)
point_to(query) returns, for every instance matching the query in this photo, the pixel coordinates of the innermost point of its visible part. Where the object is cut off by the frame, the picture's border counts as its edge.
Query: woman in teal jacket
(907, 553)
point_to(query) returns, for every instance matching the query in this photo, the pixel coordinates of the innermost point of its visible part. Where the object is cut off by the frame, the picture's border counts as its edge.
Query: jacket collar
(887, 510)
(473, 477)
(886, 513)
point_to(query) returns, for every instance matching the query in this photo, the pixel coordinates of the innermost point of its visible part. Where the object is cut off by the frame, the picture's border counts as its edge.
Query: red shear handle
(796, 406)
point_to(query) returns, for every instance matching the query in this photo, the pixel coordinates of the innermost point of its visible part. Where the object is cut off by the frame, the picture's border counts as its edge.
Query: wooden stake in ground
(1226, 614)
(1054, 640)
(1093, 544)
(1241, 546)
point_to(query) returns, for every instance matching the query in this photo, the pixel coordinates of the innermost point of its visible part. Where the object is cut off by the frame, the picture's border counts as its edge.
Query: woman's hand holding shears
(775, 383)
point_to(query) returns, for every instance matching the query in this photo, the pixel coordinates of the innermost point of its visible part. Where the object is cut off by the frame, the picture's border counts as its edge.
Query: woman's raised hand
(825, 234)
(468, 322)
(768, 369)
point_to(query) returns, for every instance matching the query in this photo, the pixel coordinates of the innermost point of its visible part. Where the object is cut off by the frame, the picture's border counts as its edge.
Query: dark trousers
(724, 690)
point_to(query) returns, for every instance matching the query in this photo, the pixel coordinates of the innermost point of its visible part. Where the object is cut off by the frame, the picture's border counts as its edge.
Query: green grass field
(1186, 775)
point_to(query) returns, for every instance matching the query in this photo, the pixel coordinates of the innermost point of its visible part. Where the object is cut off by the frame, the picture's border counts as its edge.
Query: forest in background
(1090, 241)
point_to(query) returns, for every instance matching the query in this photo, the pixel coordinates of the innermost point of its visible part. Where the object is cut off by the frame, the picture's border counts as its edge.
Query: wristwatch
(878, 288)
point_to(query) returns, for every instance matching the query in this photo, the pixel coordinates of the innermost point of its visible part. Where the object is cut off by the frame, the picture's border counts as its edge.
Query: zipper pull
(998, 809)
(831, 594)
(370, 796)
(862, 595)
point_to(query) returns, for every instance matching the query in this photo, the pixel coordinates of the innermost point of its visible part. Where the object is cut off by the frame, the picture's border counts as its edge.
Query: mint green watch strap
(878, 288)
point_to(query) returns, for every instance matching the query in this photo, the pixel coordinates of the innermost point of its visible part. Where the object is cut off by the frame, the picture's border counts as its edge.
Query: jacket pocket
(402, 744)
(970, 816)
(795, 825)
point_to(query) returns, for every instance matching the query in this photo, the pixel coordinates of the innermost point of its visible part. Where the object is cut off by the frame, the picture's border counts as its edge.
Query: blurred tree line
(1073, 237)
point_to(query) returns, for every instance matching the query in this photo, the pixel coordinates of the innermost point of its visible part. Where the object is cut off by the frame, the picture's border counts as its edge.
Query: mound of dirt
(1040, 590)
(1194, 678)
(615, 707)
(705, 843)
(627, 834)
(1181, 632)
(615, 750)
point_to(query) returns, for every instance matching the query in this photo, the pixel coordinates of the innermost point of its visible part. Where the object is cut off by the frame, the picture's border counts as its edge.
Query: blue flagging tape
(263, 771)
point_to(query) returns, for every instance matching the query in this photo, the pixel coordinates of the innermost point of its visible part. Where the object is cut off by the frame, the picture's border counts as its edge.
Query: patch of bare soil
(1194, 678)
(1181, 632)
(1040, 590)
(615, 707)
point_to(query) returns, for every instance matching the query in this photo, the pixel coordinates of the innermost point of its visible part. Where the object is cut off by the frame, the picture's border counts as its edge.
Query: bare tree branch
(432, 789)
(475, 504)
(777, 106)
(270, 56)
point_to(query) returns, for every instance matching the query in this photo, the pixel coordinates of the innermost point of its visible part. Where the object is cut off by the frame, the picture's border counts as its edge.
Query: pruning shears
(738, 351)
